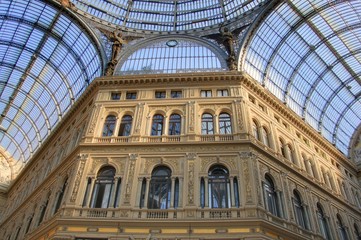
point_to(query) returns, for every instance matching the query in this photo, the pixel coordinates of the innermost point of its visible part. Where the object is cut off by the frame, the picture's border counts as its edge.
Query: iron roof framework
(176, 16)
(47, 58)
(308, 54)
(305, 52)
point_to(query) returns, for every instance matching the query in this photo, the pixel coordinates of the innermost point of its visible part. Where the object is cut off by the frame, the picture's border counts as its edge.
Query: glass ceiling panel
(308, 54)
(167, 15)
(44, 53)
(171, 56)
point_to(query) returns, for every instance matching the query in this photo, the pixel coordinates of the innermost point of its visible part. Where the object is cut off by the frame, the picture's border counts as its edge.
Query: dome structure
(305, 52)
(48, 57)
(169, 16)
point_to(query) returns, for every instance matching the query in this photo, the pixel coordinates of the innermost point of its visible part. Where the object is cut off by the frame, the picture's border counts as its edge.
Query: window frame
(207, 125)
(131, 95)
(103, 188)
(157, 128)
(158, 182)
(219, 187)
(176, 93)
(125, 126)
(160, 94)
(109, 126)
(206, 93)
(115, 96)
(224, 123)
(222, 93)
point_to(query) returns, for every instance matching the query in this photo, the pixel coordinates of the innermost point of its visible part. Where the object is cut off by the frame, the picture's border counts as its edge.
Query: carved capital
(133, 156)
(191, 156)
(83, 157)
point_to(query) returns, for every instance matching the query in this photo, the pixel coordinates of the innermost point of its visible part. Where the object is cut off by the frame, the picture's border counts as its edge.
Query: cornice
(181, 78)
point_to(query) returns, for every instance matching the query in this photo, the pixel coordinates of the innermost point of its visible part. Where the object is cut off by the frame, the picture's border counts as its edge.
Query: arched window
(225, 125)
(265, 137)
(207, 124)
(341, 228)
(157, 125)
(300, 210)
(160, 188)
(103, 188)
(109, 126)
(125, 126)
(322, 222)
(357, 232)
(271, 198)
(60, 196)
(218, 187)
(255, 130)
(174, 124)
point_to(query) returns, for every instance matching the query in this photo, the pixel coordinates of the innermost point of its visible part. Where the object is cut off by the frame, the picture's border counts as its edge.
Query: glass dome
(167, 15)
(308, 54)
(47, 59)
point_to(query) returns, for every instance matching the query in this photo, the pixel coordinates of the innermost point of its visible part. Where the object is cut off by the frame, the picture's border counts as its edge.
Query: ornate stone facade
(227, 183)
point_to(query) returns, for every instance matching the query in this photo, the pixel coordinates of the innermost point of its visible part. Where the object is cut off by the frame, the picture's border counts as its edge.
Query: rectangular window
(131, 95)
(222, 93)
(206, 93)
(115, 95)
(160, 94)
(176, 94)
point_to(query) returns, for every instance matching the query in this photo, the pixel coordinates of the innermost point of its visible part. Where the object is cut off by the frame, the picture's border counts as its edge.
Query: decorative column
(172, 192)
(239, 110)
(206, 192)
(285, 207)
(190, 206)
(231, 183)
(138, 120)
(296, 153)
(146, 193)
(139, 192)
(250, 176)
(191, 120)
(90, 195)
(180, 200)
(131, 170)
(94, 120)
(81, 159)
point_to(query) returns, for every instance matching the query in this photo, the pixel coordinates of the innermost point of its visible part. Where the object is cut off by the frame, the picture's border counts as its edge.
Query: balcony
(169, 214)
(166, 138)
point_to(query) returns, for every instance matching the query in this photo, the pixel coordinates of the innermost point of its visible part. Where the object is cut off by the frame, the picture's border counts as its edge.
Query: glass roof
(167, 15)
(46, 61)
(308, 54)
(172, 55)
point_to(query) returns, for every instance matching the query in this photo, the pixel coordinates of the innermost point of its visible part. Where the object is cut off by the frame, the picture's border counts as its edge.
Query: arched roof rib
(48, 57)
(28, 114)
(168, 16)
(307, 54)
